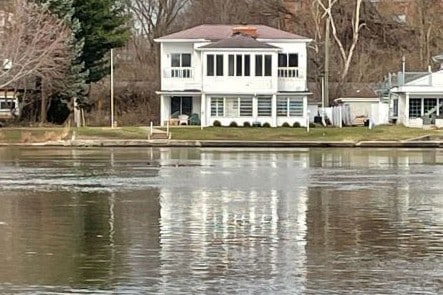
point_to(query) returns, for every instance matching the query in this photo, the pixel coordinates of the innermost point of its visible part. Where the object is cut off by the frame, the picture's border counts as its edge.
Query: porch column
(254, 108)
(162, 110)
(203, 120)
(406, 114)
(274, 110)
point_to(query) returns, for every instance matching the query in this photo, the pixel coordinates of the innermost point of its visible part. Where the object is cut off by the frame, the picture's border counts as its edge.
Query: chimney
(245, 30)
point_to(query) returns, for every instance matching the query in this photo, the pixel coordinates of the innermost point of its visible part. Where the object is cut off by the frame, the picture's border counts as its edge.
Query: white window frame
(288, 107)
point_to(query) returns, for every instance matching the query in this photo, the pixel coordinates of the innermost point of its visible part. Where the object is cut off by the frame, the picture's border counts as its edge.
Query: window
(289, 107)
(295, 107)
(239, 65)
(217, 106)
(219, 65)
(231, 65)
(231, 106)
(245, 106)
(180, 64)
(264, 106)
(395, 107)
(210, 65)
(247, 71)
(214, 65)
(7, 104)
(288, 65)
(181, 105)
(287, 60)
(282, 107)
(260, 69)
(430, 106)
(180, 60)
(259, 65)
(268, 65)
(414, 107)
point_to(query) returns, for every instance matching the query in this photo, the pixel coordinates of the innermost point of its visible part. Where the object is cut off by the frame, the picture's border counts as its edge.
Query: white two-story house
(231, 73)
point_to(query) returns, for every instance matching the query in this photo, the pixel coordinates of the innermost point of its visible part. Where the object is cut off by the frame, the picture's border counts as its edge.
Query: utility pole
(327, 45)
(112, 88)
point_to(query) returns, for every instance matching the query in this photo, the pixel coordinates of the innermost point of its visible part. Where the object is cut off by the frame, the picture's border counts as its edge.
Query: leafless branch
(33, 44)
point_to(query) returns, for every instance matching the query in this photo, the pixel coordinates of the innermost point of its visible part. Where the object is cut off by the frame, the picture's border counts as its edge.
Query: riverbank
(379, 137)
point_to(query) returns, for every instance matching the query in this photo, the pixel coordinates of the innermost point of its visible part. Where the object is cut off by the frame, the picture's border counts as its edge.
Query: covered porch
(419, 110)
(180, 108)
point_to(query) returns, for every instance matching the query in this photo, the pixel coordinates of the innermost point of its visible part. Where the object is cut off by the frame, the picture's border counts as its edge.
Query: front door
(181, 105)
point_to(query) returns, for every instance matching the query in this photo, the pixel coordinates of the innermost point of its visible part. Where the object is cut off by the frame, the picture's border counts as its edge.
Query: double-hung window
(181, 65)
(289, 107)
(288, 65)
(214, 65)
(263, 65)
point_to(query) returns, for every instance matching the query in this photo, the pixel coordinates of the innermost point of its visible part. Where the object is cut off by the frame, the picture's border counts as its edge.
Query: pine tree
(97, 26)
(103, 26)
(75, 87)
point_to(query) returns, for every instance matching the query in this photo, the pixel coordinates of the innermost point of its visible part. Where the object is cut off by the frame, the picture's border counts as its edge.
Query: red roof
(219, 32)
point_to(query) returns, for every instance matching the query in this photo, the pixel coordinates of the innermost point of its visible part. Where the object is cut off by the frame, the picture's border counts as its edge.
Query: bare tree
(33, 44)
(346, 53)
(153, 18)
(427, 23)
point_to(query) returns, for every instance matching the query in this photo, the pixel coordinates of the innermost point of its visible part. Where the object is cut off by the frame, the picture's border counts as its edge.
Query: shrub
(296, 125)
(312, 125)
(285, 124)
(216, 123)
(246, 124)
(233, 124)
(256, 124)
(266, 125)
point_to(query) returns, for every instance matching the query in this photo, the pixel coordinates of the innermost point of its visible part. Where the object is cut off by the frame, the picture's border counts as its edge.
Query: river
(221, 221)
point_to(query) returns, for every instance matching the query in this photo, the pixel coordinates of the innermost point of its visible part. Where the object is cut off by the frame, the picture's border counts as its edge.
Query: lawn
(354, 134)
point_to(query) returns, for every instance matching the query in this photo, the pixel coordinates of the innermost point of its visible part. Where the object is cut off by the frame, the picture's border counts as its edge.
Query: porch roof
(179, 92)
(294, 93)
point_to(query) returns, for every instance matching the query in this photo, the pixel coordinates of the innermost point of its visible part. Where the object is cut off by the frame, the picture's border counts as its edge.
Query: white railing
(179, 73)
(288, 73)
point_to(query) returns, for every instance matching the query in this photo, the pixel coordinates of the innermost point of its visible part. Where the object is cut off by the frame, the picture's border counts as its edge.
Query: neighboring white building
(418, 102)
(365, 104)
(231, 73)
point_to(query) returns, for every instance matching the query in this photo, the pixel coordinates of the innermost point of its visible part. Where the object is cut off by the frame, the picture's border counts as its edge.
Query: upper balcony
(178, 73)
(179, 78)
(290, 79)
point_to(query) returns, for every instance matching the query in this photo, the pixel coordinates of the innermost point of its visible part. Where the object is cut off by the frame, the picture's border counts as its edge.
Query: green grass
(382, 133)
(354, 134)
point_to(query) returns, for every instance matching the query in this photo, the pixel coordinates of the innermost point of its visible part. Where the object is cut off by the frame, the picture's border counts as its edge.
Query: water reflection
(174, 221)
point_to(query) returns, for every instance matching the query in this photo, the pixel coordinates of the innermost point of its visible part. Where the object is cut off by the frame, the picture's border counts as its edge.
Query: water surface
(211, 221)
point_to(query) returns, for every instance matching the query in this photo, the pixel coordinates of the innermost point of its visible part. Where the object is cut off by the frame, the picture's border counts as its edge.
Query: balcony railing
(179, 73)
(288, 73)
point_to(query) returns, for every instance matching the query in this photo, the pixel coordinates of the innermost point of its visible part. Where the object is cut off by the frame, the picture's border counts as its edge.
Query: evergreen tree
(75, 87)
(102, 27)
(97, 26)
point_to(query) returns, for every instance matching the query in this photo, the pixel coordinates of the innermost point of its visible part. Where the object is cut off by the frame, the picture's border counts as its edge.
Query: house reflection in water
(245, 220)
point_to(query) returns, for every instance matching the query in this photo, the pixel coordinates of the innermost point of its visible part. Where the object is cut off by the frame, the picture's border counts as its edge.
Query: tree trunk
(44, 94)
